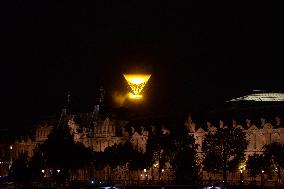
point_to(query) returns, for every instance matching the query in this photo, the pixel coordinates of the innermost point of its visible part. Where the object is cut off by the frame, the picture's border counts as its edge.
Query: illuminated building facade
(257, 135)
(99, 132)
(104, 133)
(262, 123)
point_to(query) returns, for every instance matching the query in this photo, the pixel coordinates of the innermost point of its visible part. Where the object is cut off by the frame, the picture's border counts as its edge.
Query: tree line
(223, 151)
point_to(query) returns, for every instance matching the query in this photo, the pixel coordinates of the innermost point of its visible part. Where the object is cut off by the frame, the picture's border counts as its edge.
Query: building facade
(257, 135)
(99, 132)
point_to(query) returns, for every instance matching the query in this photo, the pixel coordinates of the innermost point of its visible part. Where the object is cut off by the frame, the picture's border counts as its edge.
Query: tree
(256, 164)
(100, 160)
(185, 161)
(222, 147)
(113, 158)
(60, 151)
(20, 171)
(36, 165)
(124, 155)
(160, 148)
(274, 153)
(118, 155)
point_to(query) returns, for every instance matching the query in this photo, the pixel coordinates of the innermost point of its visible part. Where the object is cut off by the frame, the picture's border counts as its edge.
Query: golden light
(132, 96)
(242, 166)
(137, 83)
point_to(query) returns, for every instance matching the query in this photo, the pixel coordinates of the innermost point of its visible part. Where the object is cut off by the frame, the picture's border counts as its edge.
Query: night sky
(200, 54)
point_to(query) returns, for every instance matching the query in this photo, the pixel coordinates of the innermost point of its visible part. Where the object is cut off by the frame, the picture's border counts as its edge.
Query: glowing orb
(136, 82)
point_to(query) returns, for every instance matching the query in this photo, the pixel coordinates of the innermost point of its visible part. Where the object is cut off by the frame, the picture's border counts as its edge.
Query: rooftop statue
(144, 133)
(235, 125)
(222, 124)
(165, 131)
(264, 124)
(190, 125)
(210, 127)
(278, 122)
(250, 125)
(132, 130)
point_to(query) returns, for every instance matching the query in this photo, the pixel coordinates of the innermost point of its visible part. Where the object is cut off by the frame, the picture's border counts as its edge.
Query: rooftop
(261, 95)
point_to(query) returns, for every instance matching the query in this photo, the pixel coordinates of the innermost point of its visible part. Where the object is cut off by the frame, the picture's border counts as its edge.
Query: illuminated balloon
(136, 83)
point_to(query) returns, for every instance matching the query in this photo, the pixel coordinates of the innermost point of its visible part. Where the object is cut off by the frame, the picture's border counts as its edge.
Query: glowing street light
(241, 176)
(137, 83)
(262, 179)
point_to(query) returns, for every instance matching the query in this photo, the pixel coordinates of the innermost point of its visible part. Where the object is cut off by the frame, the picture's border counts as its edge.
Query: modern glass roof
(259, 95)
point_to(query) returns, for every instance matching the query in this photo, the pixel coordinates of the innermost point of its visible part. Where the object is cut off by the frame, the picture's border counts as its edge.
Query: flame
(132, 96)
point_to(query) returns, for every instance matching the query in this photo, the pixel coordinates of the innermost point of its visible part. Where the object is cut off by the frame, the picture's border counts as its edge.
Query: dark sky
(194, 50)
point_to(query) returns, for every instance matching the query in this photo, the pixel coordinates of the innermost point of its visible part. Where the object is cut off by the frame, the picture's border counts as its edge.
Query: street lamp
(241, 176)
(262, 179)
(11, 158)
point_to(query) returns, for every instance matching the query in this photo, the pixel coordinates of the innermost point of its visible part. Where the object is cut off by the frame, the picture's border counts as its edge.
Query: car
(211, 187)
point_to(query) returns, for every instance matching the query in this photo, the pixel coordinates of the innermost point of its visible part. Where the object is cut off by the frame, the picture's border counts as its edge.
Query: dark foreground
(11, 186)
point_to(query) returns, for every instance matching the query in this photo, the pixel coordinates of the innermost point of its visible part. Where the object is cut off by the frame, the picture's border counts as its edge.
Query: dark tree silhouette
(274, 153)
(255, 164)
(60, 151)
(20, 171)
(258, 164)
(36, 165)
(185, 161)
(161, 149)
(221, 147)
